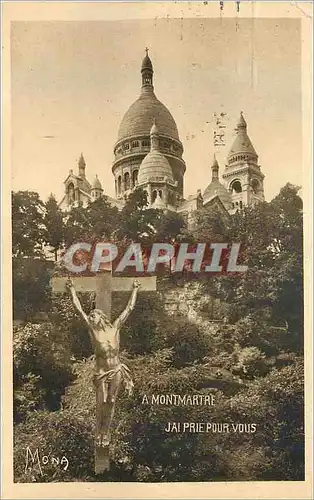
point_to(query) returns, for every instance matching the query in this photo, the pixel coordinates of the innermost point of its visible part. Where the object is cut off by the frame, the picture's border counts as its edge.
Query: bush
(189, 343)
(57, 434)
(42, 368)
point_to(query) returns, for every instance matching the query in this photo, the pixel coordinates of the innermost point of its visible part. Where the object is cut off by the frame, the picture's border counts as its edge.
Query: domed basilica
(149, 154)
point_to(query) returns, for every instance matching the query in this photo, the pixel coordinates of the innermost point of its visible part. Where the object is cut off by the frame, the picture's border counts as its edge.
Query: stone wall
(188, 300)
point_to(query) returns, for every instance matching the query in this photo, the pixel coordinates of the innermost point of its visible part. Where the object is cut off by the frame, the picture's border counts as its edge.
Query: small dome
(215, 188)
(96, 183)
(155, 165)
(242, 143)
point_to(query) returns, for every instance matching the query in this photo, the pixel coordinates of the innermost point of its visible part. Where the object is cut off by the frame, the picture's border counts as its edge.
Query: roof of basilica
(216, 188)
(96, 183)
(242, 142)
(138, 119)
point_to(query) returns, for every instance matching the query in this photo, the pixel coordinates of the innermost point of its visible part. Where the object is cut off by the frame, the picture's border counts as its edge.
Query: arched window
(160, 193)
(255, 186)
(126, 181)
(135, 144)
(134, 177)
(71, 193)
(154, 195)
(119, 184)
(241, 204)
(236, 187)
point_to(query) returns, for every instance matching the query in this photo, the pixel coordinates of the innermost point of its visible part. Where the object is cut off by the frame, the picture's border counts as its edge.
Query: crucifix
(105, 337)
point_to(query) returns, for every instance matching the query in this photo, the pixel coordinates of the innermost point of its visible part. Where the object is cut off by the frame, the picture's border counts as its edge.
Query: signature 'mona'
(37, 460)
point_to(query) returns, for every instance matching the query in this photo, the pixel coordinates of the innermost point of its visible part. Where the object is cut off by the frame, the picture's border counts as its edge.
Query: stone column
(149, 189)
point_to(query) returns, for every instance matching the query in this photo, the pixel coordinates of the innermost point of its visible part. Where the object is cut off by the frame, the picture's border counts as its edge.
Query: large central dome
(138, 119)
(133, 142)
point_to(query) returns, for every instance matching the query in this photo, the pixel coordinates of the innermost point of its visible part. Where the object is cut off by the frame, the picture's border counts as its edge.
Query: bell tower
(243, 176)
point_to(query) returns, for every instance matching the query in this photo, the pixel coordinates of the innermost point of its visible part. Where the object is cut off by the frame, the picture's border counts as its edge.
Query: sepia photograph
(159, 215)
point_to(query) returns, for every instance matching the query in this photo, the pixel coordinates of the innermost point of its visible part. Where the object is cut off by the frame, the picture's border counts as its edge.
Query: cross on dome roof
(147, 63)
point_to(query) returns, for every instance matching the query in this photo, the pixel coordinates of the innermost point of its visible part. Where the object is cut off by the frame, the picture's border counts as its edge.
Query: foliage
(42, 368)
(271, 237)
(141, 335)
(31, 289)
(27, 224)
(64, 316)
(188, 342)
(137, 220)
(141, 449)
(54, 225)
(95, 221)
(56, 435)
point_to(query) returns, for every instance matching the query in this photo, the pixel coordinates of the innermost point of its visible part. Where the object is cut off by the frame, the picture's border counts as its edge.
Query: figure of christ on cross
(109, 371)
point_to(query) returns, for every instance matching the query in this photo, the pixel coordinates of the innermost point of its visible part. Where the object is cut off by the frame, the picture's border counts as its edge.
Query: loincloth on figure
(110, 374)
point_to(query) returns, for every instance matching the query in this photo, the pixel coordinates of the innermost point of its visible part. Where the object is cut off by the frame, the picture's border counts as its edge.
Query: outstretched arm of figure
(75, 300)
(129, 308)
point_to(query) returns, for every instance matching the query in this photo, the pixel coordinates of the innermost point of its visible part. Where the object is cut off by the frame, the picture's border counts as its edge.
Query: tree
(27, 224)
(271, 238)
(95, 221)
(31, 287)
(76, 226)
(170, 227)
(210, 226)
(54, 225)
(137, 223)
(102, 218)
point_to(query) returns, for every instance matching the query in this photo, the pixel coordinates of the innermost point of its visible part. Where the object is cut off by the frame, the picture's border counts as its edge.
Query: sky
(72, 82)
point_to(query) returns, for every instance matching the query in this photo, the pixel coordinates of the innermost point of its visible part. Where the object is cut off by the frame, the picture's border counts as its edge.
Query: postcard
(157, 250)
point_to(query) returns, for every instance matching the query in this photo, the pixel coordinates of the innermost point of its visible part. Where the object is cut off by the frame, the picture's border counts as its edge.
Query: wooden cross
(104, 283)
